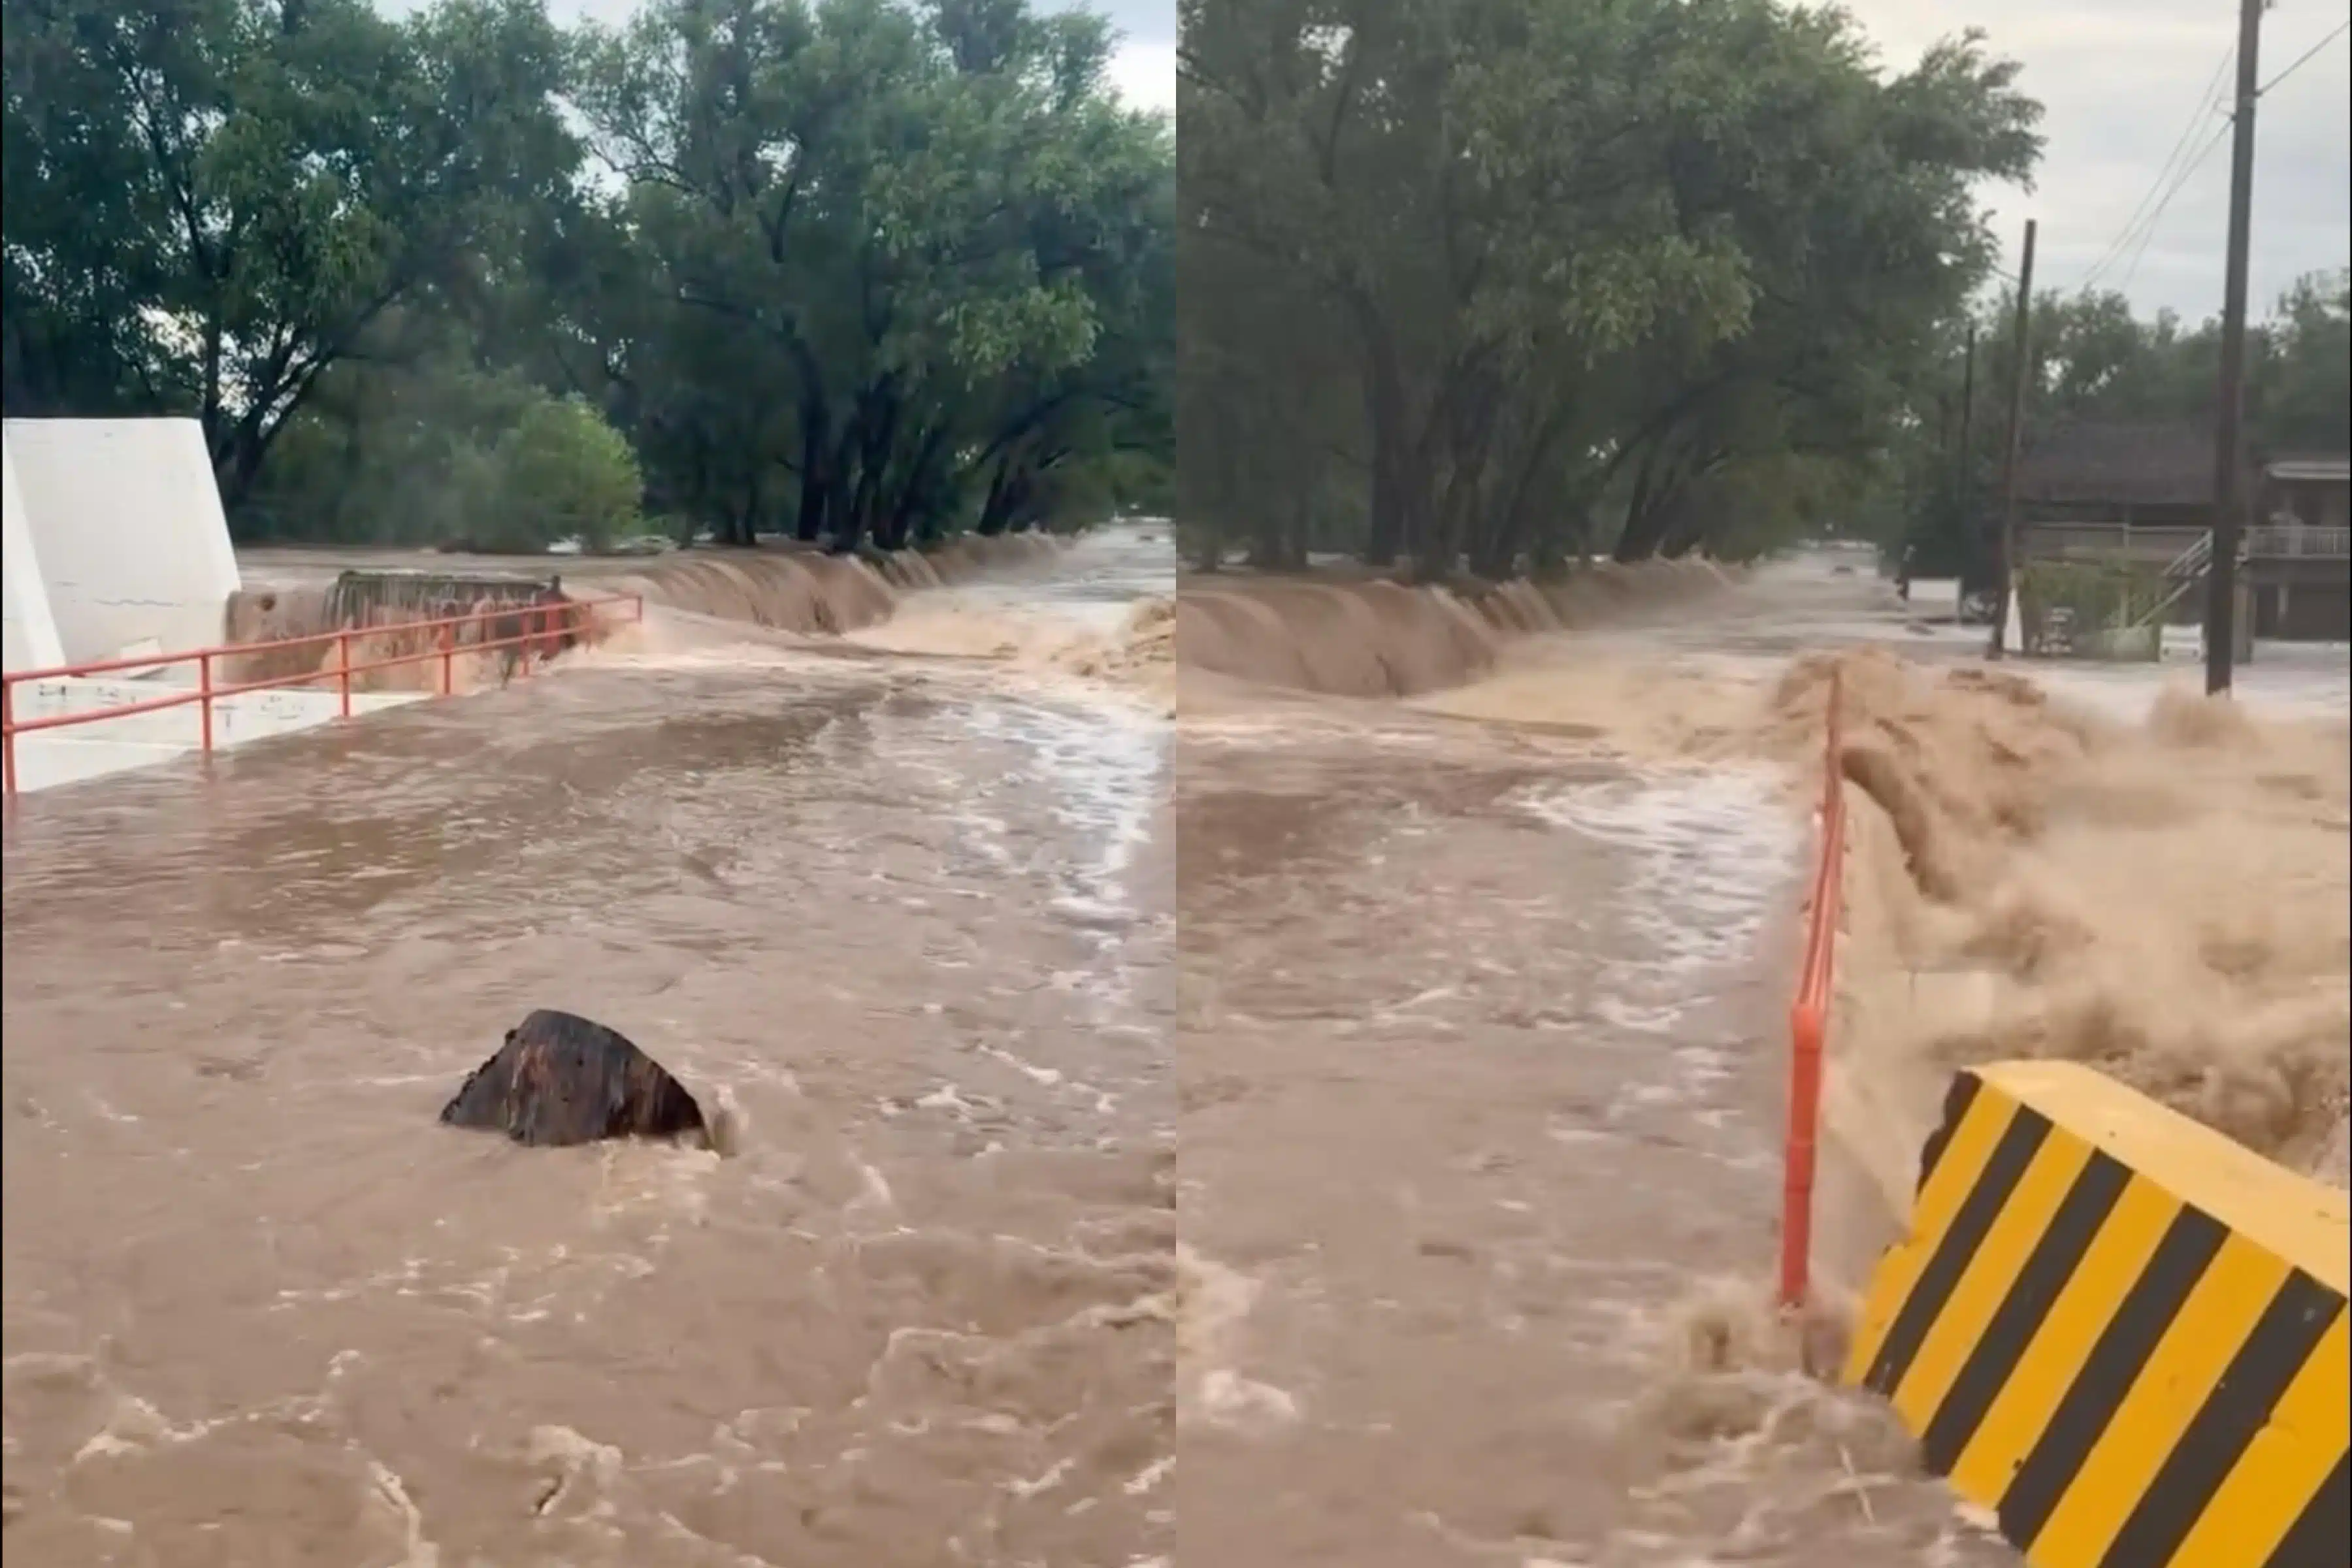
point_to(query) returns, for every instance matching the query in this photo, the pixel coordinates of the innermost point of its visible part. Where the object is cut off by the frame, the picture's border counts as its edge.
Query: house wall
(2305, 613)
(2318, 503)
(2151, 542)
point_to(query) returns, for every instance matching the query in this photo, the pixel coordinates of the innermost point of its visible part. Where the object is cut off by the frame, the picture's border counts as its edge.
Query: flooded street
(1376, 1104)
(910, 920)
(1481, 1046)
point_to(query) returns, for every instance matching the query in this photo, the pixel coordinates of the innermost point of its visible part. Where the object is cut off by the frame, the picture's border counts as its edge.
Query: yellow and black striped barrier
(2120, 1331)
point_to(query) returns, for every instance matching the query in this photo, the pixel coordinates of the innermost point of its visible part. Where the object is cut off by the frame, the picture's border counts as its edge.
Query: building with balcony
(2299, 551)
(2140, 495)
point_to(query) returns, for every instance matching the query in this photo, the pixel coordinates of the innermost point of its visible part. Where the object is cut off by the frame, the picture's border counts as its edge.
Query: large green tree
(211, 202)
(1539, 277)
(860, 269)
(908, 270)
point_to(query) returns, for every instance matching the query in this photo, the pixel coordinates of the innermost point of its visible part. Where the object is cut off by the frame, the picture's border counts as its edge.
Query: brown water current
(1483, 1026)
(1365, 1088)
(909, 920)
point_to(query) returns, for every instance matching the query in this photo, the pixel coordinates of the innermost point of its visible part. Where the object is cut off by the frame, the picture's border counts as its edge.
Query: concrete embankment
(809, 591)
(783, 588)
(1364, 636)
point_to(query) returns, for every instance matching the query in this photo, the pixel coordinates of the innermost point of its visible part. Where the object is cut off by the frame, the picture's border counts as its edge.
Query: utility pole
(2229, 439)
(1967, 417)
(2005, 546)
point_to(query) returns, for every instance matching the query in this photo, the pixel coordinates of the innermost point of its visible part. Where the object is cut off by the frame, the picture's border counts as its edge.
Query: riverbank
(798, 591)
(1343, 632)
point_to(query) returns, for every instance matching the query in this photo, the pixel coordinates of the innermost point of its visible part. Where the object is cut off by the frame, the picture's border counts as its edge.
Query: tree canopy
(1487, 283)
(862, 270)
(2093, 359)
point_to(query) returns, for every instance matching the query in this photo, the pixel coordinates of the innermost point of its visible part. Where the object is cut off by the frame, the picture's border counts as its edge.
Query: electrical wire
(2304, 58)
(2147, 232)
(2122, 239)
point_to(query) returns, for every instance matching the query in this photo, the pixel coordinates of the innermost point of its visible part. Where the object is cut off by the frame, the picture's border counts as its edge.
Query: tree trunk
(816, 473)
(994, 508)
(1395, 524)
(1639, 538)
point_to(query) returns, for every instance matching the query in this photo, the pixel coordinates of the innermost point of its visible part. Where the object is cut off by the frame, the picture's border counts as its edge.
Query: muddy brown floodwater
(910, 920)
(1479, 1064)
(1374, 1103)
(1481, 1040)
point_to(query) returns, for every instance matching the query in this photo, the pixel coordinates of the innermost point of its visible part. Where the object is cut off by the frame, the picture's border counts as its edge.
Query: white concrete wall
(127, 535)
(32, 635)
(48, 758)
(1935, 599)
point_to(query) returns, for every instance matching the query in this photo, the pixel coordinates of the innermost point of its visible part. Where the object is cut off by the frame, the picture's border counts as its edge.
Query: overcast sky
(1144, 70)
(2121, 80)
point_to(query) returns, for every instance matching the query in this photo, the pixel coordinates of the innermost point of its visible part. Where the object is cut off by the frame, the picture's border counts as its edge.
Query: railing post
(448, 659)
(1797, 1171)
(204, 701)
(1809, 1015)
(8, 735)
(343, 669)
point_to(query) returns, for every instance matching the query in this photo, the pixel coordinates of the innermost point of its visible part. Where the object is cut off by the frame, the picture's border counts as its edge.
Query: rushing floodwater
(913, 923)
(1474, 1074)
(1480, 1048)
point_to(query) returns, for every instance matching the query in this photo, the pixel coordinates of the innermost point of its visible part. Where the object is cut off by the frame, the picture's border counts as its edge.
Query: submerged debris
(561, 1079)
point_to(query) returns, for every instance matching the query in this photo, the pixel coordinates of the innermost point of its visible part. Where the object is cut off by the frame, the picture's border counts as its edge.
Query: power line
(2147, 232)
(2116, 247)
(2139, 230)
(2300, 60)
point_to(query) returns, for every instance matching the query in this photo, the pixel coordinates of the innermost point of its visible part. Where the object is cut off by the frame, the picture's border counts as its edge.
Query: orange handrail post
(1809, 1018)
(204, 698)
(8, 734)
(344, 671)
(1797, 1175)
(448, 657)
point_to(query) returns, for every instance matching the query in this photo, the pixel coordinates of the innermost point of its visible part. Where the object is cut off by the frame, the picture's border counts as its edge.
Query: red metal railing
(545, 627)
(1809, 1016)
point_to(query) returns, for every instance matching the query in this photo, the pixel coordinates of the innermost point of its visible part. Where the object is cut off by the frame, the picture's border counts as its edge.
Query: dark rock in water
(558, 1079)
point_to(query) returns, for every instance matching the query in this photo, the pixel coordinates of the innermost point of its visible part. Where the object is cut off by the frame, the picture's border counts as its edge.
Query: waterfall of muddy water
(1104, 613)
(1481, 1037)
(910, 920)
(782, 587)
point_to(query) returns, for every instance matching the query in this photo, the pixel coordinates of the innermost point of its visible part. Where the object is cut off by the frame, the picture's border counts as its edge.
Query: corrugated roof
(2312, 471)
(2125, 462)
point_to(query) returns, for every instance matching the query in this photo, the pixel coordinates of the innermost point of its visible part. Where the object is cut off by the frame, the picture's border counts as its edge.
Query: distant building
(2140, 493)
(2312, 492)
(2299, 552)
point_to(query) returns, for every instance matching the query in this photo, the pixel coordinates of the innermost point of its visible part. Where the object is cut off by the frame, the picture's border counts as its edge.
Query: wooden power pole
(1968, 421)
(2229, 436)
(2005, 545)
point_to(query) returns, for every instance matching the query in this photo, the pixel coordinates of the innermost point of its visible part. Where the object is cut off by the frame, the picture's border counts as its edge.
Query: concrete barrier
(32, 632)
(48, 758)
(2118, 1329)
(123, 537)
